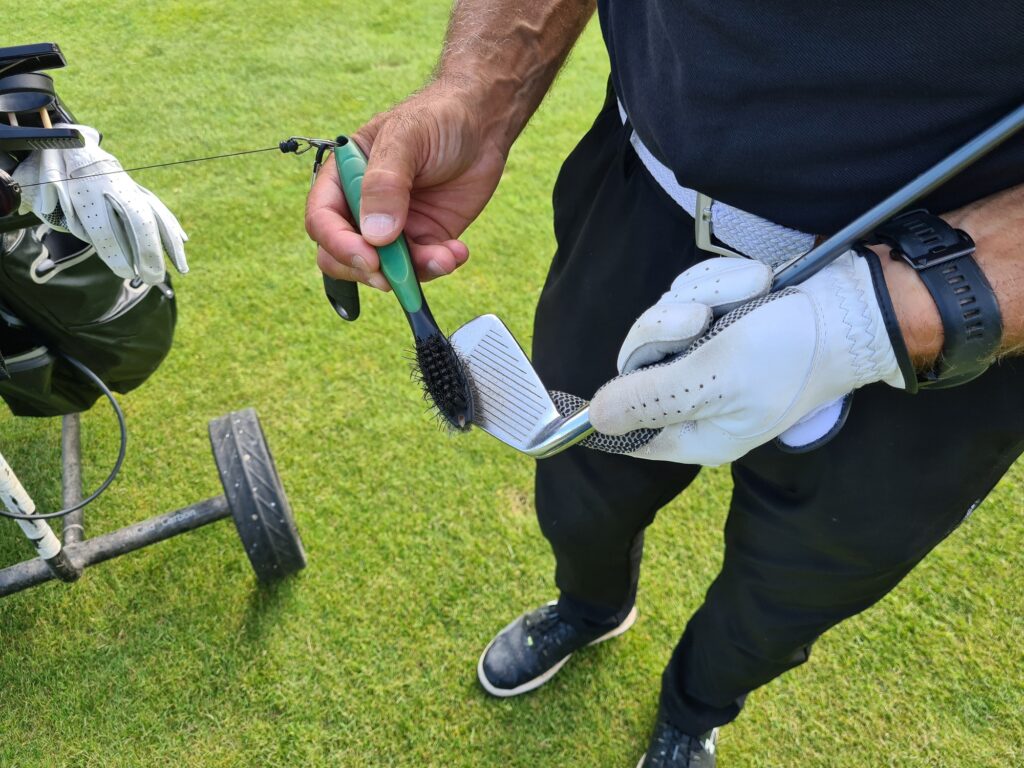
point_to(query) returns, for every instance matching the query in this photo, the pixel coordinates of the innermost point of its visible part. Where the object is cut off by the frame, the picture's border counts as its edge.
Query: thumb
(390, 170)
(722, 283)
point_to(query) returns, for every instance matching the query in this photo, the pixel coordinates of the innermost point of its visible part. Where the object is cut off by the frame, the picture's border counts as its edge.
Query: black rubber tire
(256, 497)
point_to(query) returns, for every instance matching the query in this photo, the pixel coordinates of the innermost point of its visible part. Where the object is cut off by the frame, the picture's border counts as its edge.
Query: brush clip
(343, 295)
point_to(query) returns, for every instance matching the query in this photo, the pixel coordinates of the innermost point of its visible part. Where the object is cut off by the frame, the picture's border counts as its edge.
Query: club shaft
(802, 267)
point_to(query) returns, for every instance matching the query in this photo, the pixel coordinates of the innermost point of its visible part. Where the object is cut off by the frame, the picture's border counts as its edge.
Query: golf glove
(772, 362)
(126, 223)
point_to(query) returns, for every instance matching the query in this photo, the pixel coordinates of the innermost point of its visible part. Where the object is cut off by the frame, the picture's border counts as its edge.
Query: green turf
(420, 546)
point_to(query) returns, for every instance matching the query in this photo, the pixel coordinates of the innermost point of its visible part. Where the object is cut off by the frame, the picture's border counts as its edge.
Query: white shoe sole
(537, 682)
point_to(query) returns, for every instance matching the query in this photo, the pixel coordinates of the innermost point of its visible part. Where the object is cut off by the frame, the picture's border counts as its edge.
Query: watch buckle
(943, 253)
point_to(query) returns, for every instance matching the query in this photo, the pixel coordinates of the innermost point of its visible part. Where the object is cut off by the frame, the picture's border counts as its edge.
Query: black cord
(156, 165)
(120, 454)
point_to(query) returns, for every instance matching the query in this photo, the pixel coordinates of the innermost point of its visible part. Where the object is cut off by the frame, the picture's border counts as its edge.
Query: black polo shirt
(808, 113)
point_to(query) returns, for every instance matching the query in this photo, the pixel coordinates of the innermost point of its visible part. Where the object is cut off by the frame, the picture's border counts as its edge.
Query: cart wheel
(255, 495)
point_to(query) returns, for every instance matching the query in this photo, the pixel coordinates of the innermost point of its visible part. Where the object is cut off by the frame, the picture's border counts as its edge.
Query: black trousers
(811, 539)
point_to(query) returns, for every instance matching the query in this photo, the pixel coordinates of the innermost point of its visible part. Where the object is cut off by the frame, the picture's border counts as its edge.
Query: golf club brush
(440, 371)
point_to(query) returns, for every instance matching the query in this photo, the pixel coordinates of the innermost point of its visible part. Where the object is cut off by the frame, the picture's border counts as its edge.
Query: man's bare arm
(997, 225)
(510, 53)
(436, 158)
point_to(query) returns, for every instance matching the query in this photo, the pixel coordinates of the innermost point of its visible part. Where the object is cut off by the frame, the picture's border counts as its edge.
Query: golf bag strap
(745, 233)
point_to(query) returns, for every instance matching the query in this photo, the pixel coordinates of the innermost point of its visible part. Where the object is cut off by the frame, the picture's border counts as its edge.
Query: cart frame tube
(100, 548)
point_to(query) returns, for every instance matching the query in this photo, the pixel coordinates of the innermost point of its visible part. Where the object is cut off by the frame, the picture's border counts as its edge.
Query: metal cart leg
(253, 497)
(71, 460)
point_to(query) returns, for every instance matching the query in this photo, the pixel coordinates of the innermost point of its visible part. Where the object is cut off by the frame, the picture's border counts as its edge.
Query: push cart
(253, 498)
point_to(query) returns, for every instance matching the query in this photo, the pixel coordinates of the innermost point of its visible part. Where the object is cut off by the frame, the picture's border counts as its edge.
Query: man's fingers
(384, 213)
(656, 397)
(350, 256)
(432, 260)
(329, 227)
(662, 331)
(326, 193)
(693, 442)
(339, 271)
(459, 250)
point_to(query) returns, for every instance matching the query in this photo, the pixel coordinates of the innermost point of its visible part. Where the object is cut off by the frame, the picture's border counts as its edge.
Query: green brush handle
(395, 262)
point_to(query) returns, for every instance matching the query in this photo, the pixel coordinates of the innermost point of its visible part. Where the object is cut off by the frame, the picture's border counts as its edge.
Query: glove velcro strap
(892, 324)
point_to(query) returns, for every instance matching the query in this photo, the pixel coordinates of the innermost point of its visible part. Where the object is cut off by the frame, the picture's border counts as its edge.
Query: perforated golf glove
(768, 364)
(126, 223)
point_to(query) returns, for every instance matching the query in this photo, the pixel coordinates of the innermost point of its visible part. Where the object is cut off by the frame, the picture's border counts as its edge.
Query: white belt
(748, 234)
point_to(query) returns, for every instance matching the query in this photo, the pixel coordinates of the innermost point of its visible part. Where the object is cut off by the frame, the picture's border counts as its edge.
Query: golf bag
(57, 296)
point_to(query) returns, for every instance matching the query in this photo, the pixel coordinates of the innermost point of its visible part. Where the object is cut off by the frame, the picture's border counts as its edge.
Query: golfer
(789, 119)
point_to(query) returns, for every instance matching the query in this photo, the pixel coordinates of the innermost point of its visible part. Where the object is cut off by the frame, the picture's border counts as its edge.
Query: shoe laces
(674, 747)
(547, 630)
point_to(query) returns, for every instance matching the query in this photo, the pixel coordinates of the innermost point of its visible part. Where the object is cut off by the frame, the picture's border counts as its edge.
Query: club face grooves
(510, 401)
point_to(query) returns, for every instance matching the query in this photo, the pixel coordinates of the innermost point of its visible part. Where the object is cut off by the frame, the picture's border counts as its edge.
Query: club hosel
(564, 434)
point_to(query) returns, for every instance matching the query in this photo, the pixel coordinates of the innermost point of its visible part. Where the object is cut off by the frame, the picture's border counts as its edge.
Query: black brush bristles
(445, 381)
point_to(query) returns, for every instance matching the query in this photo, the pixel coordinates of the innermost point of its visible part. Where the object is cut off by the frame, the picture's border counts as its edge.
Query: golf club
(511, 402)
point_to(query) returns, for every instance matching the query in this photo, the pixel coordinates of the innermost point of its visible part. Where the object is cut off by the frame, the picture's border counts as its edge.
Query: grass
(420, 546)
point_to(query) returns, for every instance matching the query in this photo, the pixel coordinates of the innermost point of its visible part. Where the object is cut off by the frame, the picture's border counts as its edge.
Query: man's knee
(725, 654)
(754, 637)
(584, 523)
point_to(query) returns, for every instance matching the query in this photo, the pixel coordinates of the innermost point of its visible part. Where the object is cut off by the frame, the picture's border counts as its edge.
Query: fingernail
(358, 262)
(379, 282)
(378, 225)
(434, 269)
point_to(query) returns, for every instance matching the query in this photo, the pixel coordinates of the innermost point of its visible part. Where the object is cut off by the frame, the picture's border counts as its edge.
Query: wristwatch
(943, 258)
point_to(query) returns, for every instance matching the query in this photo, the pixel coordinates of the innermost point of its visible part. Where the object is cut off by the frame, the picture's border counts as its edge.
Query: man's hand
(434, 161)
(85, 192)
(763, 367)
(432, 168)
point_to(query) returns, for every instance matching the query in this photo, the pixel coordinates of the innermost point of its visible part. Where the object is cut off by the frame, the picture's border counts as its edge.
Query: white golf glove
(772, 362)
(126, 223)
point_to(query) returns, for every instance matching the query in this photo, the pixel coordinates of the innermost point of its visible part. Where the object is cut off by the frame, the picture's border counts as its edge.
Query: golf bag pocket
(30, 387)
(57, 295)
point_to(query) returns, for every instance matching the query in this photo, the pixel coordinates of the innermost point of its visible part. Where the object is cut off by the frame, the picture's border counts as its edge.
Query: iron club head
(511, 402)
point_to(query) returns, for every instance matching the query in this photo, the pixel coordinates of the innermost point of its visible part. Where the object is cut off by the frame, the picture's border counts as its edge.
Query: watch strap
(943, 258)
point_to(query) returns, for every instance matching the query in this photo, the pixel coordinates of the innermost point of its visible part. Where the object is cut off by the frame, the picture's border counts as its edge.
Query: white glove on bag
(773, 360)
(126, 223)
